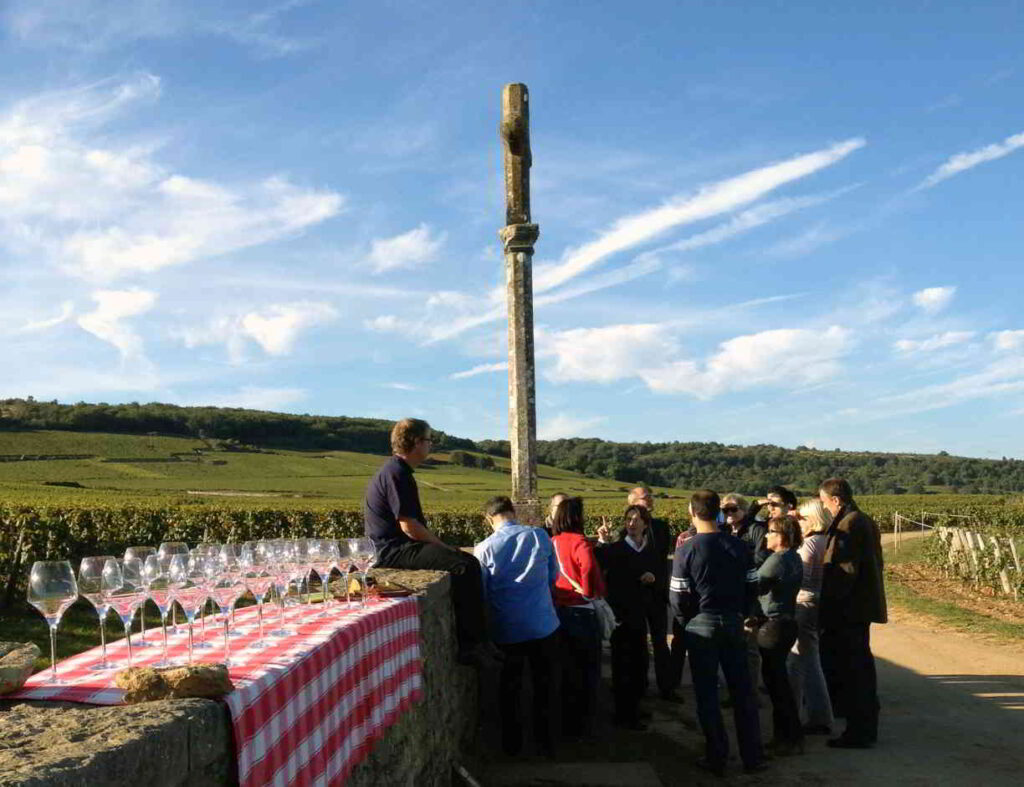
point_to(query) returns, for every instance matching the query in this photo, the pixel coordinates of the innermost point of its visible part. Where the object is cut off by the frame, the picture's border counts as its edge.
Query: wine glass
(202, 554)
(122, 589)
(363, 555)
(258, 579)
(169, 549)
(141, 553)
(277, 553)
(188, 584)
(90, 585)
(232, 553)
(344, 565)
(51, 590)
(226, 588)
(155, 573)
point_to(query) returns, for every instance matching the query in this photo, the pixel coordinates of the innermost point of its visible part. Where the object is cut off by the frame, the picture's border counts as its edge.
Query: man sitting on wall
(393, 519)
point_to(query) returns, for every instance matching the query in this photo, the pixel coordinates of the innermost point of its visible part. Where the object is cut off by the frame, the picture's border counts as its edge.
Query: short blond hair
(814, 518)
(407, 433)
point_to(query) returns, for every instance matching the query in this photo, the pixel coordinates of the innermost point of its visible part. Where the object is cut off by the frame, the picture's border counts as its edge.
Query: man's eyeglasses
(728, 510)
(775, 504)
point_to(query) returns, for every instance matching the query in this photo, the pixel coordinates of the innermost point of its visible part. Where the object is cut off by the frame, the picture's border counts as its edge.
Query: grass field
(165, 470)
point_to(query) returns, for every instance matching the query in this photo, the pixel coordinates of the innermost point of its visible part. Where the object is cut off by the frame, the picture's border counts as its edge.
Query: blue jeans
(715, 641)
(581, 671)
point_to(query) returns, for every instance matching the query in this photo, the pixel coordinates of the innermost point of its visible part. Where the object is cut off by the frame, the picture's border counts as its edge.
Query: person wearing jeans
(712, 590)
(580, 631)
(519, 570)
(806, 677)
(779, 580)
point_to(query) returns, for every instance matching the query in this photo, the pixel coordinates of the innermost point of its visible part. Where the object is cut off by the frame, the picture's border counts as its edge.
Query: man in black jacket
(852, 598)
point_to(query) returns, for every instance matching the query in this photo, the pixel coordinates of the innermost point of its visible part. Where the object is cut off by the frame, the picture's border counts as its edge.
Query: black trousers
(775, 638)
(849, 668)
(467, 588)
(542, 655)
(629, 668)
(668, 662)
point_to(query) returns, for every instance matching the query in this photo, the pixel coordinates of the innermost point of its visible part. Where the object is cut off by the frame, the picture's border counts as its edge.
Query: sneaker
(817, 729)
(717, 768)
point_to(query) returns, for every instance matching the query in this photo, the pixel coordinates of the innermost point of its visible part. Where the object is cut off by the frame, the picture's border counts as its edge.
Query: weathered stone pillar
(518, 238)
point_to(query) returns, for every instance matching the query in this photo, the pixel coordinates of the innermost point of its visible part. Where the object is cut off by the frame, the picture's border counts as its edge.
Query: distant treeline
(749, 469)
(752, 469)
(250, 427)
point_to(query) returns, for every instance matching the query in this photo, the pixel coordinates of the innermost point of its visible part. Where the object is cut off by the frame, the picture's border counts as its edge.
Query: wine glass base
(281, 633)
(142, 644)
(202, 646)
(101, 667)
(256, 645)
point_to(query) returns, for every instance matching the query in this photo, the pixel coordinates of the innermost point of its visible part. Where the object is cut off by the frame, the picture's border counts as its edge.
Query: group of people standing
(773, 590)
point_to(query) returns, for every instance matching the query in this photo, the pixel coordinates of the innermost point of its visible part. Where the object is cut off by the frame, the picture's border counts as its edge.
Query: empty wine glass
(169, 549)
(51, 590)
(202, 553)
(363, 555)
(258, 579)
(344, 566)
(226, 588)
(156, 575)
(141, 553)
(277, 552)
(188, 584)
(122, 589)
(90, 585)
(232, 553)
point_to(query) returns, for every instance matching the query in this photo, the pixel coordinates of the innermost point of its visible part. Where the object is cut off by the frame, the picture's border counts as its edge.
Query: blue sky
(790, 223)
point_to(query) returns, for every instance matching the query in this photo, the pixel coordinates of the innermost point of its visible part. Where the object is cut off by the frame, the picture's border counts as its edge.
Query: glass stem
(366, 588)
(227, 648)
(53, 653)
(259, 615)
(348, 589)
(142, 622)
(103, 636)
(190, 643)
(174, 617)
(128, 636)
(163, 623)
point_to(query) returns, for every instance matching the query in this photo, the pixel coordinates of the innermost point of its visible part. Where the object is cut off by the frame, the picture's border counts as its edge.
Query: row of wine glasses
(175, 576)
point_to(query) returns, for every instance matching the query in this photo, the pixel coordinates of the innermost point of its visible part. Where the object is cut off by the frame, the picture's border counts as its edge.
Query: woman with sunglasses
(779, 579)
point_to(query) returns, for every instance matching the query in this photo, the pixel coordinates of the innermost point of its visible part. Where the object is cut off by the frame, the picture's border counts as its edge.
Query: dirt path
(952, 714)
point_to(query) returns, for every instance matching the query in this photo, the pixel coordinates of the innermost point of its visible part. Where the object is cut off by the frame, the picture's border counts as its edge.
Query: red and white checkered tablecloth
(307, 708)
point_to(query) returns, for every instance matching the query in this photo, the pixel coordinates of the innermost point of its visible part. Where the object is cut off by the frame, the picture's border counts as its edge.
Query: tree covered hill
(682, 465)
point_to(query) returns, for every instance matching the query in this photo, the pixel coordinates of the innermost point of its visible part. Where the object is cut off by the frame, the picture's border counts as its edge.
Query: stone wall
(189, 742)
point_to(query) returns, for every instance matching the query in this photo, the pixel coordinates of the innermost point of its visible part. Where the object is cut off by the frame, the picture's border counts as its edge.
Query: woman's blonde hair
(814, 518)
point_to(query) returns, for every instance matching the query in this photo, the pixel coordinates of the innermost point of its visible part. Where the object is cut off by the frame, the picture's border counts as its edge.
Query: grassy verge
(944, 612)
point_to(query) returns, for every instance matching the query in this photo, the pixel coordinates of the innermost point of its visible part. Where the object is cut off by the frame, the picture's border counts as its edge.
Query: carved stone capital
(519, 237)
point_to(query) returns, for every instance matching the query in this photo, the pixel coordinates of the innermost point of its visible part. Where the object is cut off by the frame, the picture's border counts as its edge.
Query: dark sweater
(623, 567)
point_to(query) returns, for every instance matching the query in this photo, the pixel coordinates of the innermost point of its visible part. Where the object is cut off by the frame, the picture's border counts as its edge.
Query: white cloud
(400, 386)
(607, 354)
(484, 368)
(276, 328)
(934, 299)
(67, 308)
(961, 162)
(564, 425)
(104, 211)
(785, 357)
(256, 398)
(1008, 341)
(937, 342)
(712, 200)
(106, 321)
(999, 378)
(409, 250)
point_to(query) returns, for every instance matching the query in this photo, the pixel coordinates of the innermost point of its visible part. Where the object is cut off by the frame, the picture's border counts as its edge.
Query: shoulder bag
(606, 621)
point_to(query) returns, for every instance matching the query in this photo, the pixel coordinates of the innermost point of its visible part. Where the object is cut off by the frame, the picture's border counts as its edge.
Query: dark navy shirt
(391, 493)
(715, 570)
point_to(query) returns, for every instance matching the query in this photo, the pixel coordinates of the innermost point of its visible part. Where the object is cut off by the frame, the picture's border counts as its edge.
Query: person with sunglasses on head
(393, 519)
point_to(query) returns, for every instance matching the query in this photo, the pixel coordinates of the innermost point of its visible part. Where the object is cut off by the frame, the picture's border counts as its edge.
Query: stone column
(518, 238)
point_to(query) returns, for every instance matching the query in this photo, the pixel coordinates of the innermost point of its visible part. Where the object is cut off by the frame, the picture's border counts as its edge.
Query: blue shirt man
(519, 569)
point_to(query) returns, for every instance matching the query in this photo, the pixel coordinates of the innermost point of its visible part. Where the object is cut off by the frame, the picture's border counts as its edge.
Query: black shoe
(757, 767)
(842, 742)
(672, 696)
(717, 768)
(787, 748)
(630, 724)
(817, 729)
